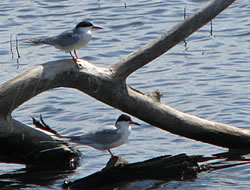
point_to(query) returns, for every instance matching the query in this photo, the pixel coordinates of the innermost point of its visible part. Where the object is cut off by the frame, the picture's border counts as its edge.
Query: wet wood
(164, 168)
(27, 145)
(108, 85)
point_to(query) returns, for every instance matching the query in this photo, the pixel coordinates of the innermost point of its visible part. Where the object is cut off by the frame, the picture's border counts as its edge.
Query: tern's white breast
(125, 131)
(84, 36)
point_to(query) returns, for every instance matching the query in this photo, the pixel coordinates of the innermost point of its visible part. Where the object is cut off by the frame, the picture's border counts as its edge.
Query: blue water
(209, 77)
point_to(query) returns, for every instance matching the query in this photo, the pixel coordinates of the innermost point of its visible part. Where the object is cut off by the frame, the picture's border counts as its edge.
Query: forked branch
(159, 46)
(109, 86)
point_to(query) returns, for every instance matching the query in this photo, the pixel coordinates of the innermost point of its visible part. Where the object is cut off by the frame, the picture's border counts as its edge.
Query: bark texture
(164, 168)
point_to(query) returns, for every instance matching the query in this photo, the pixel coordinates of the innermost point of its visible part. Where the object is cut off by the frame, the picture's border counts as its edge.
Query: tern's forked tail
(43, 126)
(37, 41)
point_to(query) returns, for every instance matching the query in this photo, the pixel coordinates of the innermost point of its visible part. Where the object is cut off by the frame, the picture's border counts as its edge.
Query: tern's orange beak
(96, 27)
(134, 123)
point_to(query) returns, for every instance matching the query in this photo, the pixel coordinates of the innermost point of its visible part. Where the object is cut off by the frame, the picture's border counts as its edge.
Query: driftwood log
(27, 145)
(118, 172)
(108, 85)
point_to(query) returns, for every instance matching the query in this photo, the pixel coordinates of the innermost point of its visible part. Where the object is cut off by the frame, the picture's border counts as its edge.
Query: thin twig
(185, 8)
(211, 30)
(11, 46)
(184, 15)
(17, 50)
(18, 54)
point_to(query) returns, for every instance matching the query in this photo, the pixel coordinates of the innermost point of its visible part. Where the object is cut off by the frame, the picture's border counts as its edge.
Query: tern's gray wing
(65, 39)
(61, 41)
(107, 136)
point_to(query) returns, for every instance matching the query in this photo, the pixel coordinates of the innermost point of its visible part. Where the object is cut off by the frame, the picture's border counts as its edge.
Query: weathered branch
(109, 86)
(99, 83)
(156, 48)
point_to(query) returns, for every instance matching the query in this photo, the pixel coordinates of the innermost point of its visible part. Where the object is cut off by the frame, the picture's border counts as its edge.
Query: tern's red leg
(112, 155)
(79, 65)
(74, 59)
(71, 55)
(76, 54)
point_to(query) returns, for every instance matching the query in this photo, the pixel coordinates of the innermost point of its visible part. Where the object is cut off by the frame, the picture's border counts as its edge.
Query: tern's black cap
(84, 24)
(124, 117)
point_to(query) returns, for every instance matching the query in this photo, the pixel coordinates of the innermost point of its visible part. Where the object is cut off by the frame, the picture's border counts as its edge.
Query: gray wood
(108, 85)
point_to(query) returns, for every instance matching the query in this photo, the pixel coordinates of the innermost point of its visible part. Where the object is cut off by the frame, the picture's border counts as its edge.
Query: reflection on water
(208, 77)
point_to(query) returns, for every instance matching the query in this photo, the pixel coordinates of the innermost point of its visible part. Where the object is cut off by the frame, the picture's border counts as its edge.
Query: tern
(106, 139)
(70, 40)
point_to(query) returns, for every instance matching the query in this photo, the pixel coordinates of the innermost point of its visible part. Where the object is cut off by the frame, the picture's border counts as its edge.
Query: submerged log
(164, 168)
(27, 145)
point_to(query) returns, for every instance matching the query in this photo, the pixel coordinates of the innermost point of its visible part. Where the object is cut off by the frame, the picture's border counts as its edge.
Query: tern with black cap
(105, 139)
(71, 40)
(108, 138)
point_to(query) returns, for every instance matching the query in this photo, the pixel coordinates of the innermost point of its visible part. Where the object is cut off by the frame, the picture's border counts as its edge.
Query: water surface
(209, 77)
